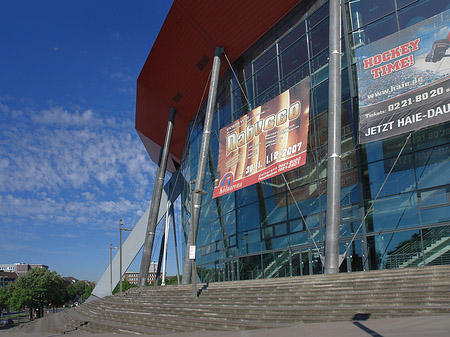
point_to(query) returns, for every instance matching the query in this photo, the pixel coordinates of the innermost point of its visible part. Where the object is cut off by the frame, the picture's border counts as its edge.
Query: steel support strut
(156, 200)
(196, 200)
(334, 142)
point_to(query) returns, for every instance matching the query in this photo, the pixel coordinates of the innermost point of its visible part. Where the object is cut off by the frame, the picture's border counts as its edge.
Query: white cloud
(4, 108)
(72, 168)
(58, 115)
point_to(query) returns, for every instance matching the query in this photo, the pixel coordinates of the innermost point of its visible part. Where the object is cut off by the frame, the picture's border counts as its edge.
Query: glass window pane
(295, 77)
(307, 200)
(296, 226)
(350, 212)
(318, 15)
(280, 229)
(320, 98)
(248, 217)
(313, 221)
(272, 210)
(435, 215)
(300, 238)
(225, 115)
(430, 166)
(434, 197)
(294, 57)
(394, 250)
(227, 202)
(398, 211)
(249, 242)
(292, 36)
(420, 11)
(365, 11)
(319, 37)
(401, 3)
(432, 136)
(385, 148)
(276, 264)
(349, 228)
(229, 223)
(402, 178)
(436, 245)
(266, 77)
(250, 267)
(264, 59)
(268, 95)
(376, 31)
(319, 68)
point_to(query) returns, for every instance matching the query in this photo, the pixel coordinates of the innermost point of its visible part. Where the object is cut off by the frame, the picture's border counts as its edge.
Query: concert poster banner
(269, 140)
(404, 80)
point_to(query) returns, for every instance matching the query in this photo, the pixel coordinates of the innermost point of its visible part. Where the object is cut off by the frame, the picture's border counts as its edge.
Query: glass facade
(273, 230)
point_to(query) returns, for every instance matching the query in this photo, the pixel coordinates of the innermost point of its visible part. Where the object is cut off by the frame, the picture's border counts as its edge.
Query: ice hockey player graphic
(438, 50)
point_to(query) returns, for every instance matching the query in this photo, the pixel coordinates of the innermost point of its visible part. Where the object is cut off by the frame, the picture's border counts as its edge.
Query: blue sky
(71, 162)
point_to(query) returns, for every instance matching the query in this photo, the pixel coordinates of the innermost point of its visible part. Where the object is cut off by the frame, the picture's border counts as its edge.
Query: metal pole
(120, 231)
(172, 214)
(334, 142)
(110, 265)
(156, 200)
(120, 275)
(166, 242)
(187, 268)
(203, 156)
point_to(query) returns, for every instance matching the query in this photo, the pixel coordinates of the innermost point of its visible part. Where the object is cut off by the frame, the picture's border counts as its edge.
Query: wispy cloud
(70, 167)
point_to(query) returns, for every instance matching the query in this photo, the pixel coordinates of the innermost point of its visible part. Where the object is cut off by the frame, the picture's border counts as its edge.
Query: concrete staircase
(269, 303)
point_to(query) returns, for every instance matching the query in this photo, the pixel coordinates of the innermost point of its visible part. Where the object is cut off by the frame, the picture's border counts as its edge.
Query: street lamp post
(110, 264)
(120, 249)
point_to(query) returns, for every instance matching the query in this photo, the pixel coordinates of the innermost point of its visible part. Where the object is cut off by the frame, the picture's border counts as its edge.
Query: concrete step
(268, 302)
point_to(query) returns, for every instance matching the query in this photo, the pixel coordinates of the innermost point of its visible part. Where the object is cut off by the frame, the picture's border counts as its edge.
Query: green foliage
(88, 291)
(172, 280)
(3, 299)
(78, 290)
(37, 288)
(125, 286)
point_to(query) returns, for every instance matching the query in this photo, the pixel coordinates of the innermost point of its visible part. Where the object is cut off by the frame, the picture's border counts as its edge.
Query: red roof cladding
(190, 32)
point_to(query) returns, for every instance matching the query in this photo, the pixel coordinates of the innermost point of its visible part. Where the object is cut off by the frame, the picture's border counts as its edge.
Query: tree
(76, 291)
(87, 293)
(125, 286)
(36, 289)
(3, 299)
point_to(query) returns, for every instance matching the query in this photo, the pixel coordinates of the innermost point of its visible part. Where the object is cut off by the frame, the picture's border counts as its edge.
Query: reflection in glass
(249, 242)
(435, 215)
(420, 11)
(398, 211)
(319, 37)
(436, 246)
(250, 267)
(394, 250)
(430, 166)
(402, 174)
(276, 264)
(366, 11)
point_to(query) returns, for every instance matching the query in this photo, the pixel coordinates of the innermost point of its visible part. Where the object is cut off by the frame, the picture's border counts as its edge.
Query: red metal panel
(192, 30)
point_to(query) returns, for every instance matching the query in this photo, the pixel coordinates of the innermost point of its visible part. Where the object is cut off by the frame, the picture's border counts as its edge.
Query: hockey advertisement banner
(268, 141)
(404, 80)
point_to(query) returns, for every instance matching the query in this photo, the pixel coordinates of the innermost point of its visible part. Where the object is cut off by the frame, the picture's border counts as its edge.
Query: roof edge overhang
(177, 69)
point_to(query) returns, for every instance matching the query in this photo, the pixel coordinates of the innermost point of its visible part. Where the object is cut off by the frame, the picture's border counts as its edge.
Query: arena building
(276, 227)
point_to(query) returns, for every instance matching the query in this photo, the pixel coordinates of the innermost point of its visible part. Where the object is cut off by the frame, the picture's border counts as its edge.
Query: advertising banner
(404, 80)
(268, 141)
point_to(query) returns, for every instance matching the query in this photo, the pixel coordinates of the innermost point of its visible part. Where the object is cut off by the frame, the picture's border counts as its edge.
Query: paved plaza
(433, 326)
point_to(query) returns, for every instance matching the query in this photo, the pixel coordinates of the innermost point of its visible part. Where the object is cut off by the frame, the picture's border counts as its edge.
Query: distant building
(133, 277)
(20, 268)
(70, 280)
(7, 277)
